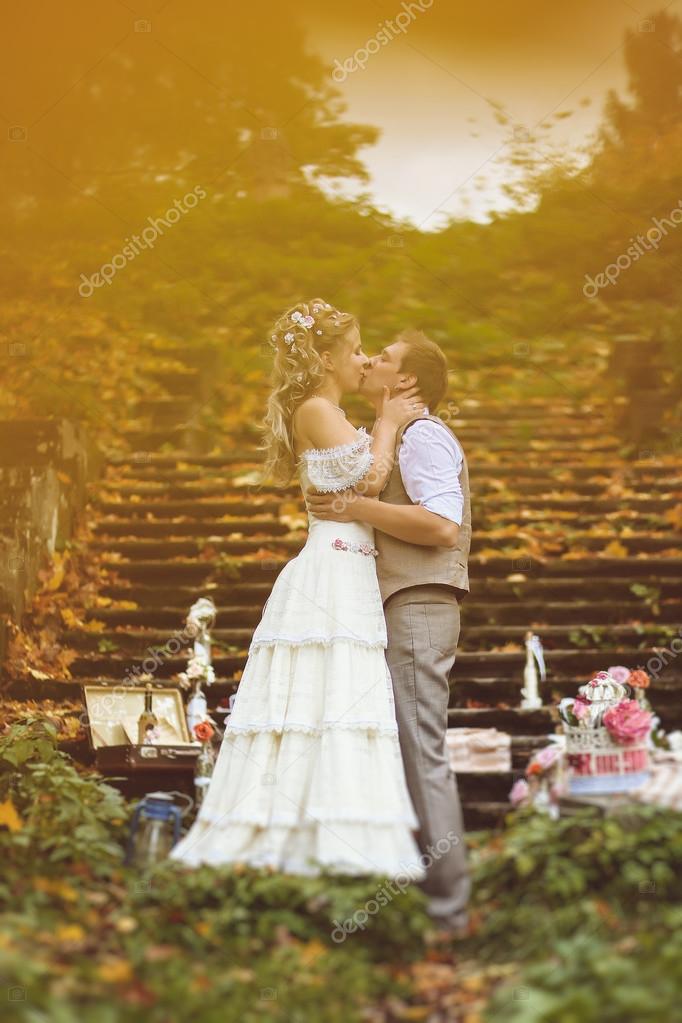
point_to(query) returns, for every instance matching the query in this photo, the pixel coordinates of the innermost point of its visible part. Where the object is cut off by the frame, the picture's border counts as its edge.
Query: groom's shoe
(444, 933)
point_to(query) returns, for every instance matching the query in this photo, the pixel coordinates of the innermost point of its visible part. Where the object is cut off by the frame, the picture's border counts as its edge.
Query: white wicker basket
(597, 763)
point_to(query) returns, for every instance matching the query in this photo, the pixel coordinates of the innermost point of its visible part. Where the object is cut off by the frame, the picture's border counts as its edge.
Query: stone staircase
(569, 540)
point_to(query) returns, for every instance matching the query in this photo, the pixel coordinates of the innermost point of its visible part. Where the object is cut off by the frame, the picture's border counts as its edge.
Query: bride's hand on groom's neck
(403, 406)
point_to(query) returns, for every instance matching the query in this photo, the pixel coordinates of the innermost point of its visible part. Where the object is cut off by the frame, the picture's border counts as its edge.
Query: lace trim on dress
(295, 726)
(292, 820)
(338, 449)
(337, 468)
(317, 640)
(347, 480)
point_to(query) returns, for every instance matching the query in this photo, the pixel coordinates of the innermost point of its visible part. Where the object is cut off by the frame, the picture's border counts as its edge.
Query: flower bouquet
(607, 733)
(543, 783)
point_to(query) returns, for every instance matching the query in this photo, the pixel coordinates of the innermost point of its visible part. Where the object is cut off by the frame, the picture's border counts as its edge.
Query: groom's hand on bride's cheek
(339, 506)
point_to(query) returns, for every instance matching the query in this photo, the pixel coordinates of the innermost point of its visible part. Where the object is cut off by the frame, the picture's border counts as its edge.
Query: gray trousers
(423, 631)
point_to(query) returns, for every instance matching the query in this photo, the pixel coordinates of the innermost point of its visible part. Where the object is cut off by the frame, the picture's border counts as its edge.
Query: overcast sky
(427, 88)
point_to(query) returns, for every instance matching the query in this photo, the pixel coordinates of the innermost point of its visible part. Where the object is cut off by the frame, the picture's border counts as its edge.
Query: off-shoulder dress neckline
(337, 449)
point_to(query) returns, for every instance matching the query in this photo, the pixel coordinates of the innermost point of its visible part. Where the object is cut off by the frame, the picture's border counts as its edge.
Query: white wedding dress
(309, 775)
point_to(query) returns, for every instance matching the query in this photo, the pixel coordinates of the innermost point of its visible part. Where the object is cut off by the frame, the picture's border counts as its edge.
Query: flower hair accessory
(304, 321)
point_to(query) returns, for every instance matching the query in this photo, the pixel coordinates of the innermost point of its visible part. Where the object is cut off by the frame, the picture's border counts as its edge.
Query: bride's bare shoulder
(317, 424)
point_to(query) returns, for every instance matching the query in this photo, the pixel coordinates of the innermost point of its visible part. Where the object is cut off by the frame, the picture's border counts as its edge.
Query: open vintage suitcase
(113, 711)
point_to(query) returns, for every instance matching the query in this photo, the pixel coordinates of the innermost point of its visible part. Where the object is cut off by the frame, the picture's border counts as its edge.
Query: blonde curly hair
(297, 371)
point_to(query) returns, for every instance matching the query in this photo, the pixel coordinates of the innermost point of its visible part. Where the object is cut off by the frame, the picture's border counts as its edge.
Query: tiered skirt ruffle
(309, 774)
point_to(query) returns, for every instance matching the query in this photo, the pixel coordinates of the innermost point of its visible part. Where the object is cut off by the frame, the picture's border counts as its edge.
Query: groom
(422, 523)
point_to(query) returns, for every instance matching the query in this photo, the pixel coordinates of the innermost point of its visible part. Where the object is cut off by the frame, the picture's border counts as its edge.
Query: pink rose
(619, 673)
(547, 757)
(627, 722)
(581, 707)
(519, 792)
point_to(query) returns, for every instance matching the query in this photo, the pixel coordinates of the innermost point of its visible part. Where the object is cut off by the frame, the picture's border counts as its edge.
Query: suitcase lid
(113, 711)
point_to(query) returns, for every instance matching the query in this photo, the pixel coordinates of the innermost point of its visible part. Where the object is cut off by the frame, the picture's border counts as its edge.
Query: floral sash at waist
(357, 548)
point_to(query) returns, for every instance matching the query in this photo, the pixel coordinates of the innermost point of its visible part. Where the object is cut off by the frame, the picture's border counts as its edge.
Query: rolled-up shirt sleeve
(430, 461)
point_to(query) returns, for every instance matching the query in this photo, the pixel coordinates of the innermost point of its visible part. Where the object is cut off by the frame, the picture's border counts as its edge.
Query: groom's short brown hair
(427, 362)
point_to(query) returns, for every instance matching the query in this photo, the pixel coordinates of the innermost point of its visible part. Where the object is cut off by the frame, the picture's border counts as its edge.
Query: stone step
(580, 662)
(665, 691)
(127, 518)
(482, 638)
(495, 437)
(268, 503)
(178, 380)
(192, 470)
(490, 690)
(191, 437)
(171, 547)
(481, 816)
(512, 719)
(488, 592)
(141, 528)
(482, 485)
(475, 787)
(164, 408)
(473, 610)
(644, 462)
(145, 440)
(486, 417)
(267, 567)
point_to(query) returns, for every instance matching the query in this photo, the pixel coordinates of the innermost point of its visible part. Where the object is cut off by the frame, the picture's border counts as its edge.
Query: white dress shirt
(430, 461)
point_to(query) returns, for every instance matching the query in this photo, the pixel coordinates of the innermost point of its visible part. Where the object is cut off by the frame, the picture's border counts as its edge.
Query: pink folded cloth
(478, 749)
(664, 785)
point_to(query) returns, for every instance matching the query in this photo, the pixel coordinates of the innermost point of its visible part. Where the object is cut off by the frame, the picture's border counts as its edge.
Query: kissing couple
(334, 756)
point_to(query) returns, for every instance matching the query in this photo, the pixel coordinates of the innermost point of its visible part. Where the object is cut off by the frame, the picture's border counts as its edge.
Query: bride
(309, 775)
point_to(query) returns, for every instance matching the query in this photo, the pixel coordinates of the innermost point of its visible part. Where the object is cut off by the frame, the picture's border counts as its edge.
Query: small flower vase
(640, 696)
(541, 800)
(203, 770)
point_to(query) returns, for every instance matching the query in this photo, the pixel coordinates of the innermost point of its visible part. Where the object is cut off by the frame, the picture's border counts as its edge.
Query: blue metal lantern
(154, 830)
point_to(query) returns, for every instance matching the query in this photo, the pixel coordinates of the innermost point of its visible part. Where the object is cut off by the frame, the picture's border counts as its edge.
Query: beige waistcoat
(402, 564)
